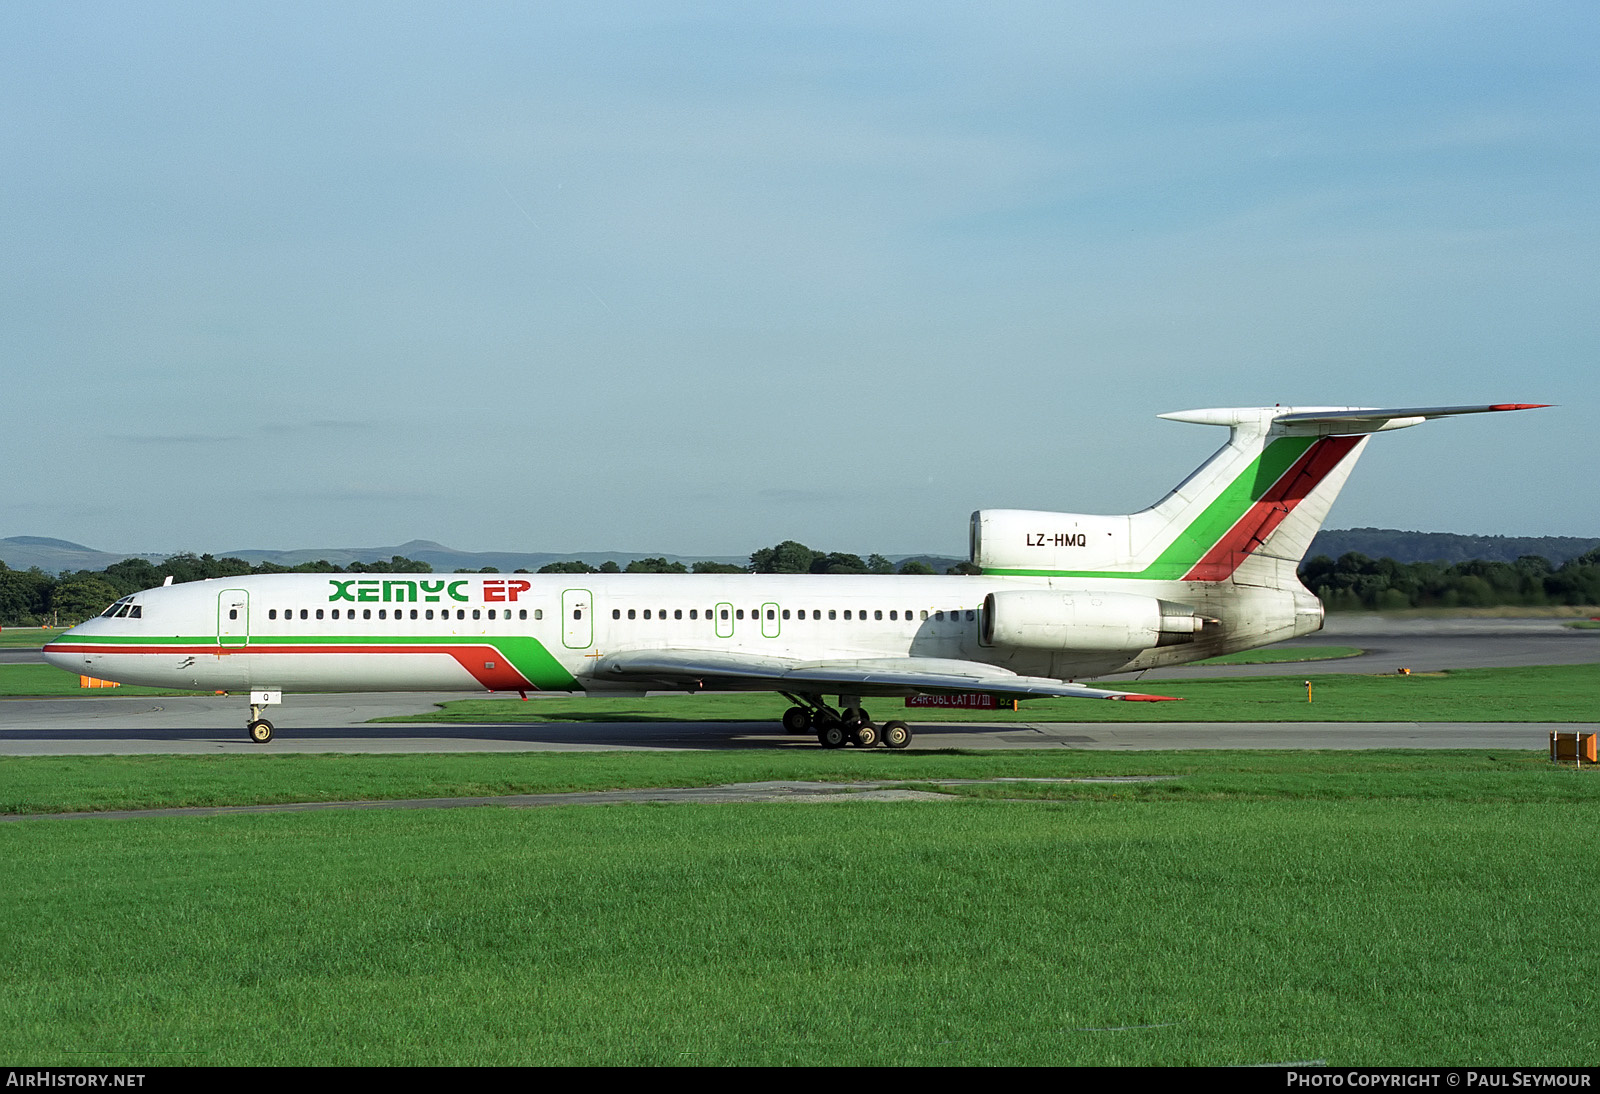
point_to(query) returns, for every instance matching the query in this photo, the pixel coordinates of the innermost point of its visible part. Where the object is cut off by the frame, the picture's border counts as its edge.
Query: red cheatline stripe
(1263, 518)
(475, 659)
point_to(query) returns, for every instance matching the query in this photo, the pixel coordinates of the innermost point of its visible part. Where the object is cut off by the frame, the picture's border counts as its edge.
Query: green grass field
(1355, 908)
(46, 784)
(1380, 907)
(1280, 655)
(40, 680)
(17, 637)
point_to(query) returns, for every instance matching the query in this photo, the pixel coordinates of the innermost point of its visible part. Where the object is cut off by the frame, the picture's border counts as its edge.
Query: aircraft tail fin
(1247, 514)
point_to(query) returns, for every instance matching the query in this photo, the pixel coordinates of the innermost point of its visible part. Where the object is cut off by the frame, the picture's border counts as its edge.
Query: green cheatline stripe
(1191, 544)
(527, 655)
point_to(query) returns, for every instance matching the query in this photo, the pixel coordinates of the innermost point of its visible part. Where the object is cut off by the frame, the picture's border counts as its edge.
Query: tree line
(32, 597)
(1350, 583)
(787, 557)
(1355, 581)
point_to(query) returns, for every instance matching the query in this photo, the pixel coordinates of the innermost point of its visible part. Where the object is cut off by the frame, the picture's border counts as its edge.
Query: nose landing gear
(258, 728)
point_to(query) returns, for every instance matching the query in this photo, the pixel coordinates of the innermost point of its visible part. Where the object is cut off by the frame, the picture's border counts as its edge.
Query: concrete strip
(774, 791)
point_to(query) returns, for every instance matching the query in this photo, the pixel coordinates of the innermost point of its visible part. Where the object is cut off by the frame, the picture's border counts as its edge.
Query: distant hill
(57, 555)
(1445, 546)
(938, 563)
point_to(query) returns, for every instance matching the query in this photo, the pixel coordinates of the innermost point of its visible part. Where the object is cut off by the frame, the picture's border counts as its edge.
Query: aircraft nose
(55, 652)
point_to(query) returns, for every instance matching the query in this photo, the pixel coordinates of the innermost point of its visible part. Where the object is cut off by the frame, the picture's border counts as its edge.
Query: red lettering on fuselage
(499, 592)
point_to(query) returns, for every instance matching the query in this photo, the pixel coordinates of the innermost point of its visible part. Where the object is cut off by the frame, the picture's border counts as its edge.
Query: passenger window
(786, 613)
(233, 613)
(319, 613)
(972, 616)
(833, 613)
(893, 615)
(272, 613)
(877, 615)
(366, 613)
(677, 613)
(694, 613)
(577, 613)
(724, 613)
(847, 613)
(413, 613)
(738, 613)
(616, 613)
(647, 613)
(428, 614)
(924, 614)
(938, 617)
(491, 613)
(475, 614)
(383, 613)
(630, 614)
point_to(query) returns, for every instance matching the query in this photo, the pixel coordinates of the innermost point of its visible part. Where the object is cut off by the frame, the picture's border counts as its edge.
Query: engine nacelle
(1044, 619)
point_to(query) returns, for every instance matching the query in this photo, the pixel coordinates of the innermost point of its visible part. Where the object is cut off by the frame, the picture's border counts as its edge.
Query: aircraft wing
(717, 670)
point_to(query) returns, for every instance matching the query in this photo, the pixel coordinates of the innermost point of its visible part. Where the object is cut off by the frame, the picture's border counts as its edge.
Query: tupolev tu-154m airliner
(1208, 570)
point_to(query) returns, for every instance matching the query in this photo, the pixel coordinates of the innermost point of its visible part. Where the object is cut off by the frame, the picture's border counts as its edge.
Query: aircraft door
(724, 620)
(769, 621)
(577, 619)
(233, 618)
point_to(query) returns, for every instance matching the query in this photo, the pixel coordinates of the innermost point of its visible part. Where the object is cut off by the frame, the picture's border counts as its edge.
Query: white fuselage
(518, 632)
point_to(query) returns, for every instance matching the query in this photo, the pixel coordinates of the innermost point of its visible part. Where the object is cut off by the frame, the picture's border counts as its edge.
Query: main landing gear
(850, 725)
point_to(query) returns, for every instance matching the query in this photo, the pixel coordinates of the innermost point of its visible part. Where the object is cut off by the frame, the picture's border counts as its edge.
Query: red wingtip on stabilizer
(1154, 698)
(1520, 406)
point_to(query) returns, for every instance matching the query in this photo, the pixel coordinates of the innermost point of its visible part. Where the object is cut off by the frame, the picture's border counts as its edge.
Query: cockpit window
(118, 608)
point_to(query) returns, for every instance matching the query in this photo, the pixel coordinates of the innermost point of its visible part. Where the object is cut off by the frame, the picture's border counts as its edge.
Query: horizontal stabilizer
(1357, 415)
(1334, 420)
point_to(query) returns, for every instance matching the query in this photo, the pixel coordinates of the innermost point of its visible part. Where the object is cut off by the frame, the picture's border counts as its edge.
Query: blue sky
(701, 277)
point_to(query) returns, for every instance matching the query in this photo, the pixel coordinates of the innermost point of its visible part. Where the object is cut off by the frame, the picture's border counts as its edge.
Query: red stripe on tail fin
(1263, 518)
